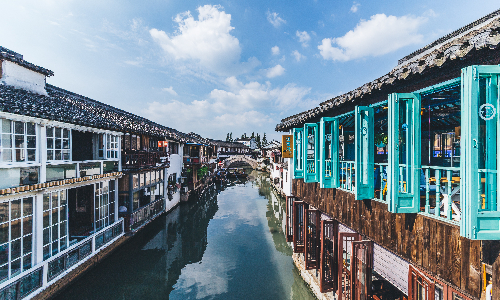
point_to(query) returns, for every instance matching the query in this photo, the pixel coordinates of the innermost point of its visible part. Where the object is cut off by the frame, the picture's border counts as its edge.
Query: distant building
(249, 142)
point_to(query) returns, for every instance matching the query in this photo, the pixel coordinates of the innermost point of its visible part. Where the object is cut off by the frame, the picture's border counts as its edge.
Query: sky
(224, 66)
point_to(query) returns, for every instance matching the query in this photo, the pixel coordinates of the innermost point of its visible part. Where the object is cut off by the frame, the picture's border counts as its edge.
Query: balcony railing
(49, 271)
(440, 192)
(132, 159)
(347, 175)
(381, 181)
(146, 213)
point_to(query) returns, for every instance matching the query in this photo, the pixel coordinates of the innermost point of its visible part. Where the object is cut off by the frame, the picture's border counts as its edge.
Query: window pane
(27, 262)
(55, 233)
(28, 206)
(6, 141)
(46, 219)
(19, 141)
(46, 252)
(30, 128)
(20, 155)
(63, 198)
(50, 143)
(58, 144)
(15, 207)
(4, 212)
(15, 267)
(46, 201)
(50, 131)
(31, 154)
(6, 155)
(50, 155)
(27, 246)
(58, 155)
(4, 272)
(19, 127)
(63, 228)
(46, 236)
(6, 126)
(55, 202)
(4, 254)
(65, 133)
(15, 229)
(55, 218)
(65, 144)
(27, 225)
(4, 233)
(16, 249)
(31, 142)
(65, 155)
(58, 132)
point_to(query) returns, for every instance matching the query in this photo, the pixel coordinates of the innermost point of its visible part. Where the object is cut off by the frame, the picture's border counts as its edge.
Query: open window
(329, 152)
(311, 152)
(312, 239)
(404, 153)
(328, 263)
(298, 161)
(365, 151)
(479, 165)
(299, 208)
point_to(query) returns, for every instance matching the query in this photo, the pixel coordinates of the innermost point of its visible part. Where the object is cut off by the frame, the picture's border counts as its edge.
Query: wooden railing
(139, 159)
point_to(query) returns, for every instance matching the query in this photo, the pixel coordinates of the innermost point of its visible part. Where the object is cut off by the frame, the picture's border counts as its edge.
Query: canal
(227, 244)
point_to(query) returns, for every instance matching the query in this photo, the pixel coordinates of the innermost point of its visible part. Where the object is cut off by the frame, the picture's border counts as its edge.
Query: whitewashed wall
(21, 77)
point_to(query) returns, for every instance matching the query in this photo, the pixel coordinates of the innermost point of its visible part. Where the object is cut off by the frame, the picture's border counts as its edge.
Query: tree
(253, 135)
(264, 140)
(257, 140)
(231, 137)
(227, 137)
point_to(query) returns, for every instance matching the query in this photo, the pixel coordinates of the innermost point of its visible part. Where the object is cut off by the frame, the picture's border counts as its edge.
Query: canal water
(228, 244)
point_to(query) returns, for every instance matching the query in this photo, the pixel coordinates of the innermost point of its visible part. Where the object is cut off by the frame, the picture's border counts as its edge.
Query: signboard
(162, 144)
(287, 146)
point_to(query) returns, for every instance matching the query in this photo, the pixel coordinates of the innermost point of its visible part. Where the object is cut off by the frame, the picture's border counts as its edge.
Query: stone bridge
(235, 159)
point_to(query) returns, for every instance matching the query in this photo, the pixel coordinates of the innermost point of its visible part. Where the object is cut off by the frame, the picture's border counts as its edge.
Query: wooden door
(328, 263)
(344, 264)
(298, 226)
(362, 266)
(312, 232)
(289, 218)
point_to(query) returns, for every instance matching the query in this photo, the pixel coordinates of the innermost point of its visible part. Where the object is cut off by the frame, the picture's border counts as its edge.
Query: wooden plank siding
(430, 244)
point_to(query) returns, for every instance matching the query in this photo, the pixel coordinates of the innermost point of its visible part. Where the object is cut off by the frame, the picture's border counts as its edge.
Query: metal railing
(146, 213)
(440, 192)
(347, 175)
(47, 272)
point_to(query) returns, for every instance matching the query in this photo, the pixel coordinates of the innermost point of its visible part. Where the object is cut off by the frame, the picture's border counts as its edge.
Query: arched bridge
(234, 159)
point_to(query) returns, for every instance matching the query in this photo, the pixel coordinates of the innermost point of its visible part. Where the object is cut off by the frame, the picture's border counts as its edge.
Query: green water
(228, 244)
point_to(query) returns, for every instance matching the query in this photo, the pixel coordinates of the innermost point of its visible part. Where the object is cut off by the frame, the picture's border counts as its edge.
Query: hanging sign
(162, 144)
(287, 146)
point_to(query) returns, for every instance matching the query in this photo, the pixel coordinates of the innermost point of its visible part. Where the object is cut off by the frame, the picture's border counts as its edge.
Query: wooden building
(396, 181)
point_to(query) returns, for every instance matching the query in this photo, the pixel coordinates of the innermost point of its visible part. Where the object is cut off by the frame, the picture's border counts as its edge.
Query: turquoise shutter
(480, 128)
(298, 162)
(364, 146)
(403, 180)
(328, 147)
(311, 152)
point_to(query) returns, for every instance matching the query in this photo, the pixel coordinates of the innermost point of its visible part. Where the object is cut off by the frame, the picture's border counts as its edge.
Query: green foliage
(202, 171)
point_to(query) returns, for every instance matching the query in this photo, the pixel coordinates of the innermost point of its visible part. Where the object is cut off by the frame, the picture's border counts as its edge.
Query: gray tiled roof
(7, 54)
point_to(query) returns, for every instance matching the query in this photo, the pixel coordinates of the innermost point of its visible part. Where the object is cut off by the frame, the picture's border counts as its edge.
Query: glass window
(55, 223)
(58, 143)
(102, 205)
(111, 146)
(17, 141)
(16, 237)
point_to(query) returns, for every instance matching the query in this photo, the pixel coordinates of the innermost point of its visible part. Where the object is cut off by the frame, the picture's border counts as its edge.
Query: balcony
(192, 160)
(132, 159)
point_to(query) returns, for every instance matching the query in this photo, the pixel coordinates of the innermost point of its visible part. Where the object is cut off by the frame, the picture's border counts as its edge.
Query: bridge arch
(241, 159)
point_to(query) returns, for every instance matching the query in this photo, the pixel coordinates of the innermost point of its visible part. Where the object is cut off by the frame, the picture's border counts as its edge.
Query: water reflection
(227, 245)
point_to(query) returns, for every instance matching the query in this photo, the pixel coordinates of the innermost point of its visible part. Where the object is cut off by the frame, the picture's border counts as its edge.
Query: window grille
(58, 143)
(18, 141)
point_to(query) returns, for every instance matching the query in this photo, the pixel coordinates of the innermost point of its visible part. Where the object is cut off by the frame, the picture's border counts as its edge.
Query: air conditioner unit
(185, 189)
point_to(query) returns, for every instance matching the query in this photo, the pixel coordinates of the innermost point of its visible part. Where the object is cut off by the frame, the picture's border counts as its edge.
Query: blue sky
(215, 67)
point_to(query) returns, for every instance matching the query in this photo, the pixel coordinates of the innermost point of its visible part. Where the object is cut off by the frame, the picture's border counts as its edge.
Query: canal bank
(228, 244)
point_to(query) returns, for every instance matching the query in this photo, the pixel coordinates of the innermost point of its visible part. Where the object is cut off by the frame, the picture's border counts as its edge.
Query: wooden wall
(433, 245)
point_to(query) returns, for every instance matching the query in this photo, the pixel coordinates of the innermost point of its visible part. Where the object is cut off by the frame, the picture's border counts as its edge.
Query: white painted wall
(287, 179)
(175, 167)
(23, 78)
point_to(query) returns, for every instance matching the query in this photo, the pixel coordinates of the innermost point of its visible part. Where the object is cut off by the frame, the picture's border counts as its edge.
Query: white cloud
(275, 19)
(354, 7)
(378, 36)
(277, 70)
(206, 40)
(244, 107)
(275, 50)
(304, 38)
(170, 90)
(298, 57)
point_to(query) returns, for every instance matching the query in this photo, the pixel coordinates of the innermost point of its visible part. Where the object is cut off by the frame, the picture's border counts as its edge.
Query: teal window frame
(480, 218)
(364, 145)
(298, 154)
(329, 170)
(311, 169)
(403, 180)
